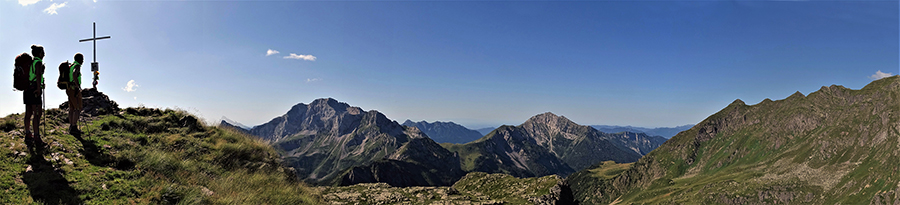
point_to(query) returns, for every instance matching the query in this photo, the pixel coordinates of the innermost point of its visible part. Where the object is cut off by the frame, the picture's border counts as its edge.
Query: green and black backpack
(67, 75)
(63, 81)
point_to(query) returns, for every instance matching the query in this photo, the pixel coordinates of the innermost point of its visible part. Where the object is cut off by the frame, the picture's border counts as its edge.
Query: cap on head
(37, 51)
(79, 58)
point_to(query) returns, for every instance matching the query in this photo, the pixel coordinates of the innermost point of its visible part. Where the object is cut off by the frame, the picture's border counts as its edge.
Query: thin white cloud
(880, 75)
(53, 7)
(27, 2)
(303, 57)
(271, 52)
(131, 86)
(309, 80)
(95, 1)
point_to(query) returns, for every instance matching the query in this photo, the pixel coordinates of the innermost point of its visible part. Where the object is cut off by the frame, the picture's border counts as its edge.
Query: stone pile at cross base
(95, 103)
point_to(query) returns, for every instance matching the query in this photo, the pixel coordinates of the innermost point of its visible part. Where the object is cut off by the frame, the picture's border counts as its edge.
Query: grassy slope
(505, 187)
(835, 146)
(474, 188)
(143, 156)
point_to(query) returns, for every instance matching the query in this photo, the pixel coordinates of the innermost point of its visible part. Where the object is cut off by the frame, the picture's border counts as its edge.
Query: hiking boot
(73, 130)
(28, 138)
(38, 142)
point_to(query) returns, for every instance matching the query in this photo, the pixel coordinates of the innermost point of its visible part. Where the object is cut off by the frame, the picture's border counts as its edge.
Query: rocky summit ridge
(330, 143)
(546, 144)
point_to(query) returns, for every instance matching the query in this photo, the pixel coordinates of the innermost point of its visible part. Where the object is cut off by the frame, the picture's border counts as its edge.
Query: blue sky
(478, 63)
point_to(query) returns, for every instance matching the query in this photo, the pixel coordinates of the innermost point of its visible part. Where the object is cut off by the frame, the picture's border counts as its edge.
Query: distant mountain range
(666, 132)
(835, 146)
(233, 123)
(486, 130)
(332, 143)
(445, 131)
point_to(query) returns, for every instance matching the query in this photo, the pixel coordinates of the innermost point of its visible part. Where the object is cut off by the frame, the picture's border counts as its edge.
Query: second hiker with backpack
(70, 80)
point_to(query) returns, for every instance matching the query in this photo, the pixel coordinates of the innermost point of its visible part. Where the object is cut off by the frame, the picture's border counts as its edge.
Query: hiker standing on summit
(74, 92)
(32, 96)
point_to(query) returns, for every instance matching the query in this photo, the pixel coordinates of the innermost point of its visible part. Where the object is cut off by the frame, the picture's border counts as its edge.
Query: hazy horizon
(479, 64)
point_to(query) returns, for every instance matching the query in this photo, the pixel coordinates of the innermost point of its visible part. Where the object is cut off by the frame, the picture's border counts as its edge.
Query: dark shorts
(30, 98)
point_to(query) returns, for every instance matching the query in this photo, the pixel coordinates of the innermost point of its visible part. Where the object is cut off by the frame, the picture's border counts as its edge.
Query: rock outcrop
(95, 103)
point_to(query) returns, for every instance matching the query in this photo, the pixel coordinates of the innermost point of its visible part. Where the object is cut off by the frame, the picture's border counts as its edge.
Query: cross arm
(93, 39)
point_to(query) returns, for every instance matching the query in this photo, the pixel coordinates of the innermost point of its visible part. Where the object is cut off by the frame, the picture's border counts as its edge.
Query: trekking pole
(43, 106)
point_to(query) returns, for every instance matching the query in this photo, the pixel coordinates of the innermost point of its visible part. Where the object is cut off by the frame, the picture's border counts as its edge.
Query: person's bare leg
(28, 113)
(71, 114)
(37, 119)
(75, 116)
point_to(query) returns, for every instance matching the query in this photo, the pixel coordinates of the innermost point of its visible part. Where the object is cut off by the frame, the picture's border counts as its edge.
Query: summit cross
(94, 39)
(95, 67)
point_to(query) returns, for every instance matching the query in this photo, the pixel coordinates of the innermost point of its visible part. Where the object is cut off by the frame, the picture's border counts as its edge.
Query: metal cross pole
(95, 67)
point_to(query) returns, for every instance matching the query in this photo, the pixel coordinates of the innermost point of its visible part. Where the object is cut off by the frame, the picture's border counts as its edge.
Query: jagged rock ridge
(329, 142)
(547, 144)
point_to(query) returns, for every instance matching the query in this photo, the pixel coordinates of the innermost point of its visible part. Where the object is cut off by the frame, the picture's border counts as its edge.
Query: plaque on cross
(95, 67)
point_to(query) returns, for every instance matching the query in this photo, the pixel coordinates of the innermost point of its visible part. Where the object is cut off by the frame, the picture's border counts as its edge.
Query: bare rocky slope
(545, 144)
(835, 146)
(326, 138)
(331, 143)
(474, 188)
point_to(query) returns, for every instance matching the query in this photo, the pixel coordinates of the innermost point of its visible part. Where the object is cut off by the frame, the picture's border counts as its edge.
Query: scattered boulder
(95, 103)
(191, 123)
(561, 193)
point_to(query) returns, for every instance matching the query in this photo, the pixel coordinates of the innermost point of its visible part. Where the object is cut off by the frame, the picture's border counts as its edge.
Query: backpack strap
(31, 74)
(72, 73)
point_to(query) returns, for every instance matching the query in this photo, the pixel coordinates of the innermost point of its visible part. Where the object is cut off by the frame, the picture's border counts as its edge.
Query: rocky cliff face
(545, 144)
(322, 141)
(836, 145)
(322, 116)
(428, 162)
(445, 131)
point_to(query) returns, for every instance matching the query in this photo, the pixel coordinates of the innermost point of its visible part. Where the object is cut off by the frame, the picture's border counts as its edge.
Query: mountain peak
(796, 95)
(548, 118)
(329, 102)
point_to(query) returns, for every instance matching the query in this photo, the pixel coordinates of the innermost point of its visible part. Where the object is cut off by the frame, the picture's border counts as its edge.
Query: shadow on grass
(96, 157)
(45, 183)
